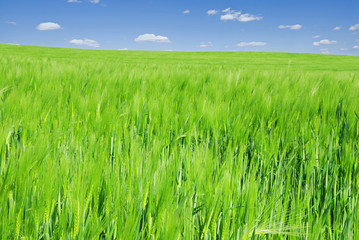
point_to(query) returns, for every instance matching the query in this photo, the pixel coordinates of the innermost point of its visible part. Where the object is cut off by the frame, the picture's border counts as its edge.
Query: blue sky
(315, 26)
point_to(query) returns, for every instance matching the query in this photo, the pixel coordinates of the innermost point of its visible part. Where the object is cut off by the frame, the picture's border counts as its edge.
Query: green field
(178, 145)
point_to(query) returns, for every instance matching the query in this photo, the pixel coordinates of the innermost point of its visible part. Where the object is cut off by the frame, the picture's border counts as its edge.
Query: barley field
(178, 145)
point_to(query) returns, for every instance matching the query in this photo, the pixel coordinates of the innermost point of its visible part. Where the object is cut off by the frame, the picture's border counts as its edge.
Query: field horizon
(169, 51)
(279, 60)
(180, 51)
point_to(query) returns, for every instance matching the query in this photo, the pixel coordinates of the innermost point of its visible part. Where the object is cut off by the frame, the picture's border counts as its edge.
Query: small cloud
(354, 27)
(291, 27)
(212, 12)
(238, 16)
(85, 42)
(122, 49)
(251, 44)
(357, 40)
(206, 44)
(47, 26)
(356, 47)
(11, 23)
(228, 16)
(316, 36)
(324, 42)
(152, 38)
(344, 49)
(337, 28)
(248, 17)
(73, 1)
(12, 44)
(186, 11)
(94, 1)
(324, 51)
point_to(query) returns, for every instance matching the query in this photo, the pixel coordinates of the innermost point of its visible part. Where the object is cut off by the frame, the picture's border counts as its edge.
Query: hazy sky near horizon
(184, 25)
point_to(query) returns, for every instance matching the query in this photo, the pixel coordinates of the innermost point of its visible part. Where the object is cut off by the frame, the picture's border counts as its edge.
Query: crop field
(178, 145)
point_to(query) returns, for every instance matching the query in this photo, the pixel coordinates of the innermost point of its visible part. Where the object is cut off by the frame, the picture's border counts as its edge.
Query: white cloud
(85, 42)
(212, 12)
(11, 23)
(186, 11)
(48, 26)
(122, 49)
(152, 38)
(12, 44)
(94, 1)
(356, 47)
(228, 16)
(248, 17)
(206, 44)
(291, 27)
(324, 51)
(238, 16)
(324, 42)
(357, 40)
(354, 27)
(344, 49)
(251, 44)
(316, 36)
(73, 1)
(337, 28)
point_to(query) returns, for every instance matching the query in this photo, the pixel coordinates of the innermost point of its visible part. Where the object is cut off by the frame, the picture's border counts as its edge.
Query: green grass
(174, 145)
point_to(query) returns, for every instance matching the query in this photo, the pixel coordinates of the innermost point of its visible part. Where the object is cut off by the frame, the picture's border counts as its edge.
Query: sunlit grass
(170, 145)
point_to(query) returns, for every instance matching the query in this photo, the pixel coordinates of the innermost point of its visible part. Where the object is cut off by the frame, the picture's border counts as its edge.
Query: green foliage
(171, 145)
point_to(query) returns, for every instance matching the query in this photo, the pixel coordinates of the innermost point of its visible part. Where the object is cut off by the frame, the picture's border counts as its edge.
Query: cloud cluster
(47, 26)
(152, 38)
(225, 15)
(251, 44)
(291, 27)
(324, 42)
(85, 42)
(232, 15)
(354, 27)
(212, 12)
